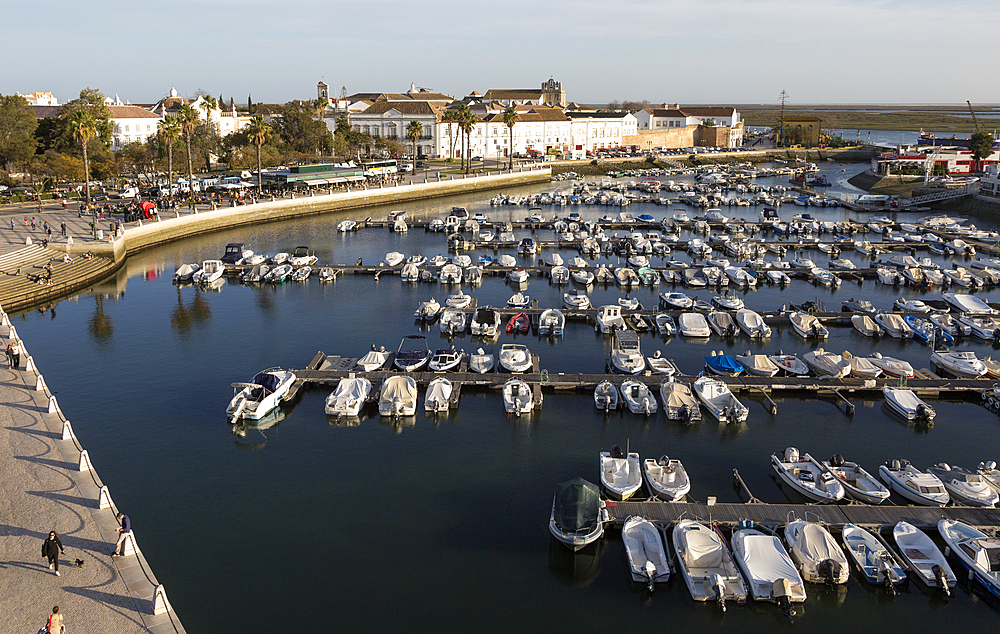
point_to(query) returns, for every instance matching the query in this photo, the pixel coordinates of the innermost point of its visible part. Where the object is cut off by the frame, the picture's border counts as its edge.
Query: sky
(710, 51)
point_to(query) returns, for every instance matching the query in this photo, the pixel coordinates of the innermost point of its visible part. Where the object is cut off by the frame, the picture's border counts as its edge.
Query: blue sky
(712, 51)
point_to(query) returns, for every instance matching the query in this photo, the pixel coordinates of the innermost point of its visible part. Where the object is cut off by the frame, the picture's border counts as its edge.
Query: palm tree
(84, 127)
(320, 105)
(509, 119)
(169, 130)
(467, 123)
(450, 117)
(188, 118)
(413, 131)
(258, 131)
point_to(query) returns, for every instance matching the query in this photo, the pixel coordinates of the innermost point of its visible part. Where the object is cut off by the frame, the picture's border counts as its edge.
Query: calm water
(435, 524)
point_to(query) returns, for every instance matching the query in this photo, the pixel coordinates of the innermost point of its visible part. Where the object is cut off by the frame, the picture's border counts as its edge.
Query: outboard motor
(616, 452)
(996, 333)
(942, 579)
(663, 461)
(886, 573)
(782, 592)
(829, 570)
(896, 465)
(686, 414)
(923, 412)
(650, 571)
(719, 585)
(815, 330)
(791, 454)
(836, 460)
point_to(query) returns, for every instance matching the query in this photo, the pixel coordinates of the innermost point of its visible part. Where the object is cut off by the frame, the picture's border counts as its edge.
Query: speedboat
(757, 364)
(813, 548)
(911, 305)
(582, 276)
(445, 360)
(859, 306)
(637, 397)
(626, 277)
(480, 361)
(825, 363)
(861, 367)
(962, 364)
(606, 396)
(677, 301)
(301, 257)
(891, 366)
(978, 552)
(927, 331)
(559, 275)
(609, 319)
(866, 326)
(693, 325)
(438, 396)
(719, 400)
(620, 474)
(968, 304)
(373, 360)
(398, 396)
(647, 558)
(427, 311)
(707, 565)
(413, 354)
(185, 271)
(517, 276)
(950, 324)
(893, 325)
(551, 322)
(679, 402)
(907, 404)
(625, 357)
(789, 364)
(629, 303)
(517, 397)
(986, 327)
(458, 300)
(665, 325)
(858, 483)
(752, 324)
(578, 514)
(254, 400)
(807, 477)
(210, 271)
(966, 488)
(877, 562)
(576, 300)
(347, 225)
(722, 323)
(667, 479)
(924, 558)
(728, 301)
(808, 326)
(514, 358)
(394, 258)
(914, 485)
(519, 323)
(769, 571)
(723, 364)
(453, 320)
(350, 396)
(486, 322)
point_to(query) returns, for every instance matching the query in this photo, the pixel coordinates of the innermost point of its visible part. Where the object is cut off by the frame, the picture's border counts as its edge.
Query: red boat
(520, 321)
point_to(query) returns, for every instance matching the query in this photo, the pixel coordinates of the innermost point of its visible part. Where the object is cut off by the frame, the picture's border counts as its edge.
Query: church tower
(553, 95)
(322, 91)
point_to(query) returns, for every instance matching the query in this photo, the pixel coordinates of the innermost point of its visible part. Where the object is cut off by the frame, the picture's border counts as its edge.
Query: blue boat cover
(724, 363)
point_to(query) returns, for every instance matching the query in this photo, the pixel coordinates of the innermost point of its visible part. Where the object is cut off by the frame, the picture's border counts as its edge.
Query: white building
(40, 99)
(224, 119)
(390, 120)
(131, 124)
(660, 118)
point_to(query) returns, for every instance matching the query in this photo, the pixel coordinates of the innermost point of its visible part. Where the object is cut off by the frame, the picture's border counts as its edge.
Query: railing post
(67, 431)
(160, 603)
(85, 464)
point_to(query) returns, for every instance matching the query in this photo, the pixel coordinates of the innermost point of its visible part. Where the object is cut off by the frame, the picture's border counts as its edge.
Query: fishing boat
(480, 362)
(978, 552)
(808, 326)
(647, 558)
(858, 483)
(819, 556)
(350, 396)
(789, 364)
(960, 363)
(398, 396)
(964, 487)
(578, 514)
(914, 485)
(807, 477)
(621, 474)
(770, 572)
(637, 398)
(413, 354)
(757, 364)
(514, 358)
(257, 398)
(893, 325)
(445, 360)
(752, 324)
(551, 322)
(875, 560)
(625, 357)
(609, 318)
(693, 325)
(719, 400)
(723, 364)
(486, 322)
(891, 366)
(517, 397)
(825, 363)
(907, 404)
(373, 360)
(667, 479)
(606, 396)
(924, 558)
(706, 564)
(679, 402)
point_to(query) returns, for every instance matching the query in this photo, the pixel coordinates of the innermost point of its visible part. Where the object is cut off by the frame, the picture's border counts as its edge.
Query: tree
(84, 128)
(257, 132)
(450, 118)
(509, 119)
(981, 145)
(301, 131)
(188, 119)
(413, 132)
(17, 130)
(320, 105)
(467, 123)
(169, 131)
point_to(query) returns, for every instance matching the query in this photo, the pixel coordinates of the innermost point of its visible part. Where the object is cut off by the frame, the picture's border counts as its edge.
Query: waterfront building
(131, 124)
(800, 130)
(989, 185)
(951, 160)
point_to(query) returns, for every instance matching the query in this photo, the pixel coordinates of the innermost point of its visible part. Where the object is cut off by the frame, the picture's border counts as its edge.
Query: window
(126, 128)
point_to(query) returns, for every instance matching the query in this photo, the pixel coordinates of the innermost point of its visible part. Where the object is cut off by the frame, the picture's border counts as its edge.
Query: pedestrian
(10, 355)
(64, 228)
(51, 548)
(12, 223)
(55, 625)
(32, 223)
(124, 532)
(15, 354)
(64, 204)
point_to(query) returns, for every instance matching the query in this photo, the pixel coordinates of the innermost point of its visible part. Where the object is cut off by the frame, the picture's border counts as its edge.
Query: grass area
(929, 118)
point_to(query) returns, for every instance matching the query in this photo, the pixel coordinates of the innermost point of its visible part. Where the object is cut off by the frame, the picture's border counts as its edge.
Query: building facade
(132, 124)
(800, 130)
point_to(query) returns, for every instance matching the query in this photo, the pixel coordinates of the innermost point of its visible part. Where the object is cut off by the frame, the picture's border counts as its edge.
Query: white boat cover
(764, 560)
(402, 386)
(702, 549)
(439, 390)
(759, 364)
(351, 390)
(677, 395)
(816, 544)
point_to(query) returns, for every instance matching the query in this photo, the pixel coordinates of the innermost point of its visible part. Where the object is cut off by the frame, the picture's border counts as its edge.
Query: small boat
(719, 400)
(728, 301)
(927, 331)
(859, 306)
(582, 276)
(394, 258)
(911, 306)
(629, 303)
(676, 301)
(301, 274)
(807, 477)
(808, 326)
(693, 325)
(626, 277)
(507, 260)
(637, 398)
(452, 321)
(625, 357)
(775, 276)
(665, 325)
(480, 361)
(349, 397)
(861, 367)
(517, 397)
(893, 325)
(723, 364)
(301, 257)
(278, 274)
(876, 561)
(255, 274)
(990, 473)
(985, 327)
(925, 560)
(825, 363)
(723, 324)
(950, 324)
(551, 322)
(519, 323)
(254, 400)
(752, 324)
(757, 364)
(968, 304)
(347, 225)
(576, 300)
(413, 354)
(373, 360)
(554, 259)
(962, 364)
(858, 483)
(891, 366)
(609, 318)
(427, 311)
(559, 275)
(667, 479)
(707, 565)
(964, 487)
(789, 364)
(647, 558)
(486, 322)
(410, 272)
(185, 271)
(978, 552)
(907, 404)
(679, 402)
(578, 514)
(514, 358)
(210, 271)
(438, 396)
(458, 300)
(914, 485)
(621, 475)
(280, 258)
(398, 397)
(517, 276)
(770, 572)
(606, 396)
(819, 556)
(445, 360)
(450, 274)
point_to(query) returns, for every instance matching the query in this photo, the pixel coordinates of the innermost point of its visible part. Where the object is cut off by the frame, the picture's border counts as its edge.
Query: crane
(974, 119)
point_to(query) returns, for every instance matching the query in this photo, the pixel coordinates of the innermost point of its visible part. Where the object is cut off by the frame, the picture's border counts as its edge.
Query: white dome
(173, 91)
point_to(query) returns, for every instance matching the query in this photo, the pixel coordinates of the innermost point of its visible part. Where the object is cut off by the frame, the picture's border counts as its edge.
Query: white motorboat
(438, 396)
(255, 399)
(576, 300)
(637, 398)
(679, 402)
(911, 306)
(964, 487)
(578, 514)
(301, 274)
(647, 558)
(551, 322)
(914, 485)
(301, 257)
(582, 276)
(891, 366)
(858, 483)
(893, 325)
(347, 225)
(825, 363)
(373, 360)
(517, 397)
(609, 318)
(350, 396)
(991, 475)
(452, 321)
(722, 323)
(676, 301)
(427, 311)
(626, 357)
(861, 367)
(410, 272)
(819, 556)
(507, 260)
(978, 552)
(807, 477)
(960, 363)
(693, 325)
(789, 364)
(626, 277)
(445, 360)
(559, 275)
(413, 354)
(667, 479)
(519, 301)
(808, 326)
(606, 396)
(758, 364)
(968, 304)
(185, 271)
(458, 300)
(986, 327)
(398, 396)
(866, 326)
(665, 325)
(719, 400)
(707, 565)
(620, 474)
(775, 276)
(924, 558)
(278, 274)
(281, 258)
(394, 258)
(890, 277)
(770, 572)
(450, 274)
(480, 361)
(629, 303)
(514, 358)
(554, 259)
(950, 324)
(907, 404)
(210, 271)
(255, 274)
(728, 301)
(486, 322)
(875, 560)
(752, 324)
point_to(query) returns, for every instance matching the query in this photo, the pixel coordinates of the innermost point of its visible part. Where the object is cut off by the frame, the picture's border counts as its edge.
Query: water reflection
(183, 317)
(575, 569)
(100, 326)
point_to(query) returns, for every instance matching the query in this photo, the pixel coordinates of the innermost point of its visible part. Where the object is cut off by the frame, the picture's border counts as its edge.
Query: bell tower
(322, 91)
(553, 95)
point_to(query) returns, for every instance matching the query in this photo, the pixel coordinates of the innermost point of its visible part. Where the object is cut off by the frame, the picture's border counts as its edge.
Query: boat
(210, 271)
(866, 326)
(723, 364)
(480, 361)
(770, 572)
(706, 564)
(819, 556)
(693, 325)
(554, 259)
(185, 272)
(858, 306)
(985, 327)
(398, 396)
(450, 274)
(858, 483)
(968, 304)
(373, 360)
(486, 322)
(808, 326)
(438, 396)
(752, 324)
(551, 322)
(861, 367)
(626, 277)
(774, 276)
(506, 260)
(621, 474)
(517, 397)
(559, 275)
(723, 324)
(893, 325)
(891, 366)
(962, 364)
(927, 331)
(257, 398)
(606, 396)
(394, 258)
(427, 311)
(519, 323)
(825, 363)
(922, 555)
(907, 404)
(950, 324)
(445, 360)
(647, 558)
(914, 485)
(629, 303)
(235, 251)
(667, 479)
(350, 396)
(410, 272)
(990, 473)
(578, 514)
(514, 358)
(890, 277)
(807, 477)
(728, 301)
(637, 397)
(911, 306)
(665, 325)
(609, 319)
(677, 301)
(757, 364)
(978, 552)
(789, 364)
(458, 300)
(255, 274)
(474, 275)
(301, 257)
(347, 225)
(278, 274)
(582, 276)
(679, 402)
(413, 354)
(964, 487)
(719, 400)
(875, 560)
(625, 357)
(576, 300)
(301, 274)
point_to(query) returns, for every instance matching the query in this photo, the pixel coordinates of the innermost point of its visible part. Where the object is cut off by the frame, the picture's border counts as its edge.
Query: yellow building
(800, 130)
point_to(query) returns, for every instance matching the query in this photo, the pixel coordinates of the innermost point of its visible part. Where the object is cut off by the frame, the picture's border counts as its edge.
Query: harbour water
(435, 523)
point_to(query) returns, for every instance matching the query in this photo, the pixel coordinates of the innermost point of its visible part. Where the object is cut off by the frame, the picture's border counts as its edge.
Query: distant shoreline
(940, 118)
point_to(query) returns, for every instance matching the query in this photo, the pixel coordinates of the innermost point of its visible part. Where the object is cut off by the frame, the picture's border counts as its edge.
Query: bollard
(104, 498)
(160, 603)
(85, 465)
(53, 405)
(67, 431)
(177, 214)
(138, 223)
(12, 335)
(5, 320)
(129, 547)
(27, 240)
(29, 365)
(40, 384)
(69, 240)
